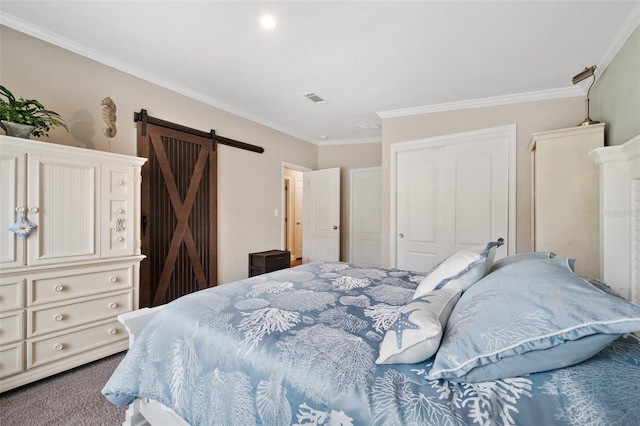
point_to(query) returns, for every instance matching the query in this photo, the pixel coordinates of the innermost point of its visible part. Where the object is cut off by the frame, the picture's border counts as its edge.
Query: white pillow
(416, 333)
(461, 269)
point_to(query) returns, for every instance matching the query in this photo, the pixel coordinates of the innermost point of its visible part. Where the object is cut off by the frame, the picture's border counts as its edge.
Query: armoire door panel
(12, 187)
(62, 195)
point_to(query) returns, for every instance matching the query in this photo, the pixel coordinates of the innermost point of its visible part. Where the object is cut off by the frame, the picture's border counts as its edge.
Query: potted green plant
(16, 113)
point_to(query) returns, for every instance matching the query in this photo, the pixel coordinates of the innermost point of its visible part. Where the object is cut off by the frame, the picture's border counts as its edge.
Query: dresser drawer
(63, 345)
(78, 284)
(63, 316)
(11, 326)
(11, 360)
(11, 294)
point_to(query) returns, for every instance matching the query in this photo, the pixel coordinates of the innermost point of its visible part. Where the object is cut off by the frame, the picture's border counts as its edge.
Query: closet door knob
(120, 182)
(34, 210)
(20, 209)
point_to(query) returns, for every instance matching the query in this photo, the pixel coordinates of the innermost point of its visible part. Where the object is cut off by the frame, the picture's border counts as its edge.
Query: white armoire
(63, 285)
(565, 195)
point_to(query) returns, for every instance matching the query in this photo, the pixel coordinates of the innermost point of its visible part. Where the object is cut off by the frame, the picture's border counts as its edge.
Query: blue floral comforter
(297, 347)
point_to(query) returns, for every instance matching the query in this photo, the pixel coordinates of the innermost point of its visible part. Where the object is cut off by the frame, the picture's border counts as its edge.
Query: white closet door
(452, 193)
(321, 213)
(420, 227)
(366, 206)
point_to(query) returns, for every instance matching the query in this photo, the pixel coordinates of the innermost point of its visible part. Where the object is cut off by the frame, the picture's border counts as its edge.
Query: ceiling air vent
(314, 98)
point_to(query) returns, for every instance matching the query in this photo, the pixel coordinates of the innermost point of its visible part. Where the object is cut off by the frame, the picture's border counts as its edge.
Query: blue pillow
(520, 257)
(527, 317)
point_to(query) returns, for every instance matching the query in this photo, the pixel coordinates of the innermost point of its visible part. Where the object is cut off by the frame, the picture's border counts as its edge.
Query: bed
(521, 340)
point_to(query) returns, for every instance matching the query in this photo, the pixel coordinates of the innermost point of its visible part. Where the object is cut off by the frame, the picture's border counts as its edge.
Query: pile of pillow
(526, 313)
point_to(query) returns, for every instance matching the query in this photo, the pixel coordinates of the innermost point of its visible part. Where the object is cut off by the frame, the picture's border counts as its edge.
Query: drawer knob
(59, 287)
(58, 347)
(120, 239)
(112, 331)
(113, 279)
(119, 211)
(34, 210)
(58, 317)
(113, 305)
(120, 182)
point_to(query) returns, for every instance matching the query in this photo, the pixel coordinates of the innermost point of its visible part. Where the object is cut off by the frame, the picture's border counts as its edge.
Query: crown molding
(516, 98)
(377, 139)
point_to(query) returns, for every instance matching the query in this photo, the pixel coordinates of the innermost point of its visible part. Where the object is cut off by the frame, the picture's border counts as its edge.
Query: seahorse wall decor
(109, 117)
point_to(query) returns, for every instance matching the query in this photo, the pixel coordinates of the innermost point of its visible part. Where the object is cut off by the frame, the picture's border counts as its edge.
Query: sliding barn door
(179, 203)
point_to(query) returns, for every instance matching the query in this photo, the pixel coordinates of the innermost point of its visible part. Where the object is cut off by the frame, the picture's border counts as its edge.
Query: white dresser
(565, 195)
(63, 285)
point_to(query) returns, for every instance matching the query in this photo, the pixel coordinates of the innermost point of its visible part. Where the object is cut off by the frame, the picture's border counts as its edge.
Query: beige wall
(249, 184)
(348, 157)
(529, 117)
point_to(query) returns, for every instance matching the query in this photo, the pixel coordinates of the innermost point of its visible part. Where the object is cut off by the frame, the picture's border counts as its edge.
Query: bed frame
(619, 256)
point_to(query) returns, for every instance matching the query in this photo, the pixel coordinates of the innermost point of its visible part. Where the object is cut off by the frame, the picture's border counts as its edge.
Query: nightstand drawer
(77, 284)
(42, 351)
(60, 317)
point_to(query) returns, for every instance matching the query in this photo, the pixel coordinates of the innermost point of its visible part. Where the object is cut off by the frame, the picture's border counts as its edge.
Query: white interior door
(451, 193)
(298, 217)
(321, 215)
(366, 212)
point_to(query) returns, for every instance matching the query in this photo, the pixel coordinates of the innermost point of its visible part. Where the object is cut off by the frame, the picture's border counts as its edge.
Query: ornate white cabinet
(565, 195)
(63, 285)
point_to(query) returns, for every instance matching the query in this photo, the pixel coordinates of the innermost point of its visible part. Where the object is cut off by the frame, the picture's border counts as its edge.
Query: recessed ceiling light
(268, 22)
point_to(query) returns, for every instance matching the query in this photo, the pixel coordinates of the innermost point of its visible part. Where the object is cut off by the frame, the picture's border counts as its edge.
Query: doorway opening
(292, 196)
(292, 213)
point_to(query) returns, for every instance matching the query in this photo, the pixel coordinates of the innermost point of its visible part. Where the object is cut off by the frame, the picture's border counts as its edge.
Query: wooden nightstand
(268, 261)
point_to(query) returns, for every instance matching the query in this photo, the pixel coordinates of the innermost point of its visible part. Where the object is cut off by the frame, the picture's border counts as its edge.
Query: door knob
(401, 235)
(335, 227)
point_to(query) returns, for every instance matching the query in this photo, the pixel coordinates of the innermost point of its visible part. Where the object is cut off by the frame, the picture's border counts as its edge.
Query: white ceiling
(368, 59)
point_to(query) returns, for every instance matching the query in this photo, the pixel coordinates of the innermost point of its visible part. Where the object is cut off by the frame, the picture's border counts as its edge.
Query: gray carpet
(66, 399)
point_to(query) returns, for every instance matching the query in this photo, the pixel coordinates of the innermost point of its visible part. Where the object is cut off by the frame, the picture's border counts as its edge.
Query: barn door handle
(145, 220)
